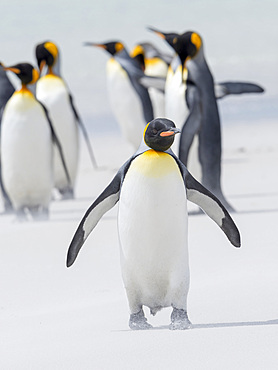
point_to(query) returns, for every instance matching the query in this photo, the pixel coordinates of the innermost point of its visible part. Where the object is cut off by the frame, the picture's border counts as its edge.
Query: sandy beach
(52, 317)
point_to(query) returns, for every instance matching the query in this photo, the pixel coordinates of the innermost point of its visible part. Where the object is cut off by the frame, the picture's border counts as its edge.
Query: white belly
(157, 68)
(152, 227)
(125, 103)
(26, 152)
(52, 92)
(175, 104)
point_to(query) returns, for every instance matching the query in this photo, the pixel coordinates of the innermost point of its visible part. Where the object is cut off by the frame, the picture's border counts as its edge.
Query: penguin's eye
(154, 131)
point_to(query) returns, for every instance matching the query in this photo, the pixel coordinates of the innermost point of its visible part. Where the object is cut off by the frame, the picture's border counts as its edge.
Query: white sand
(52, 317)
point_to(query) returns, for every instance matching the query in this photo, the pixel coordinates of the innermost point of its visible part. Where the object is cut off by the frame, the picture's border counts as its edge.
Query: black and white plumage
(152, 188)
(190, 95)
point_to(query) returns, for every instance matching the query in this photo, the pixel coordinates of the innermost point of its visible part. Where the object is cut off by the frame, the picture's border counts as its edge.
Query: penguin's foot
(21, 214)
(8, 207)
(39, 213)
(66, 193)
(138, 321)
(179, 320)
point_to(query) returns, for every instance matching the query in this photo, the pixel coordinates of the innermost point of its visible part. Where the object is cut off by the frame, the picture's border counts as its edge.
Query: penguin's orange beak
(171, 132)
(95, 44)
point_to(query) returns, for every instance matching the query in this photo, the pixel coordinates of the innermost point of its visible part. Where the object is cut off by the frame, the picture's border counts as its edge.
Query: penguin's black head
(25, 72)
(113, 47)
(185, 45)
(169, 37)
(46, 53)
(159, 134)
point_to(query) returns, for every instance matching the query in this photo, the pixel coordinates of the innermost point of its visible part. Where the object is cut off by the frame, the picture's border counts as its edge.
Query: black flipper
(223, 89)
(58, 144)
(210, 204)
(192, 124)
(107, 199)
(84, 132)
(8, 207)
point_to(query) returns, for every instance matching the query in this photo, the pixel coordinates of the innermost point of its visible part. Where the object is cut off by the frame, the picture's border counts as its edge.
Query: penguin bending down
(26, 148)
(153, 63)
(52, 91)
(152, 188)
(129, 98)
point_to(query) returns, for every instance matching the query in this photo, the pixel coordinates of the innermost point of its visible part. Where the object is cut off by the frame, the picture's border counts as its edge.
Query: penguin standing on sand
(26, 148)
(190, 95)
(152, 188)
(52, 91)
(129, 98)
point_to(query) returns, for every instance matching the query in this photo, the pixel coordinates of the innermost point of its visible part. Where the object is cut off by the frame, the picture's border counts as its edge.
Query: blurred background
(240, 39)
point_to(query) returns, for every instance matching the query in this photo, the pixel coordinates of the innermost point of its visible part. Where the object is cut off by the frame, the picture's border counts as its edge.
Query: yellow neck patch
(155, 164)
(24, 90)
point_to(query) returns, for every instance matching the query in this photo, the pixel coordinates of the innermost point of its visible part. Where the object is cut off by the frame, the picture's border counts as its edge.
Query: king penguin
(26, 148)
(154, 63)
(6, 91)
(53, 92)
(190, 94)
(129, 98)
(152, 188)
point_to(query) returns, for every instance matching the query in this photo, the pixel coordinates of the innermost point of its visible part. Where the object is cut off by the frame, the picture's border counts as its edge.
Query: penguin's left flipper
(223, 89)
(211, 205)
(84, 131)
(107, 199)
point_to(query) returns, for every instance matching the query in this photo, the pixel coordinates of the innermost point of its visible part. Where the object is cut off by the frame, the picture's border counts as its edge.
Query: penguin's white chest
(26, 151)
(175, 104)
(52, 92)
(152, 227)
(157, 68)
(125, 103)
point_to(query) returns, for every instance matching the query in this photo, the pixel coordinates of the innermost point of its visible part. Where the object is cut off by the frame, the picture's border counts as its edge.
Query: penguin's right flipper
(6, 87)
(107, 199)
(8, 207)
(59, 146)
(223, 89)
(84, 131)
(192, 124)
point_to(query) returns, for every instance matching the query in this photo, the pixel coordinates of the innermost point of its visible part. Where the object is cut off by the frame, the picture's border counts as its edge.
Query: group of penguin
(153, 186)
(155, 97)
(147, 83)
(39, 136)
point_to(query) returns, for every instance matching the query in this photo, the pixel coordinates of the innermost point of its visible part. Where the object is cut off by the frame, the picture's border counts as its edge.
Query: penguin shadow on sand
(218, 325)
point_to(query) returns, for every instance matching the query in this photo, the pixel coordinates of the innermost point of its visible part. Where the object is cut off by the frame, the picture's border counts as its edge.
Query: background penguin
(52, 91)
(152, 187)
(26, 148)
(6, 91)
(154, 63)
(191, 101)
(129, 98)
